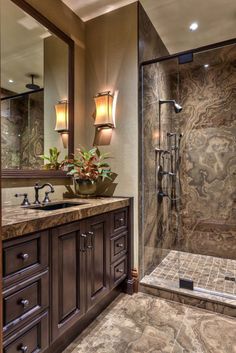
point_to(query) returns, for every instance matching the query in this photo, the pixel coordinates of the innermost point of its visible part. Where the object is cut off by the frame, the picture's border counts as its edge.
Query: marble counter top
(18, 221)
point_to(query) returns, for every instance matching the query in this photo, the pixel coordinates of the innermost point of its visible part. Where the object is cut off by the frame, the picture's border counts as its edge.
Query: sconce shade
(104, 114)
(65, 138)
(61, 116)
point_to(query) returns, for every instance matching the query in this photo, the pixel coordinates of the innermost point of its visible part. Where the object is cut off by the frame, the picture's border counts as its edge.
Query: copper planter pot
(85, 187)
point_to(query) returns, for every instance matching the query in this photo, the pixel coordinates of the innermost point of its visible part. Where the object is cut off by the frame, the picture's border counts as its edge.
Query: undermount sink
(55, 205)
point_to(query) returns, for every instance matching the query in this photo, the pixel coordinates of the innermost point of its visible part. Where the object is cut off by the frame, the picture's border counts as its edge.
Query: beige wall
(69, 23)
(111, 64)
(59, 14)
(55, 89)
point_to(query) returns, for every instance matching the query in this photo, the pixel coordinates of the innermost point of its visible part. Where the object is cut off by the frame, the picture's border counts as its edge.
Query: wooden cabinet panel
(33, 338)
(119, 220)
(67, 277)
(97, 258)
(25, 300)
(87, 260)
(24, 256)
(118, 246)
(118, 271)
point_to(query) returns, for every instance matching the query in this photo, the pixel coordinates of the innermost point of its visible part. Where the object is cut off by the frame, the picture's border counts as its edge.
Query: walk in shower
(188, 179)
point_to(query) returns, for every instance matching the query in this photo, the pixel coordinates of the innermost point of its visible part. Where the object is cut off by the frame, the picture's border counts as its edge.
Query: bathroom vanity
(61, 268)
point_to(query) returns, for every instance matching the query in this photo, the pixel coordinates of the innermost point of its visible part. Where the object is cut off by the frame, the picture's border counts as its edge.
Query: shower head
(32, 85)
(177, 107)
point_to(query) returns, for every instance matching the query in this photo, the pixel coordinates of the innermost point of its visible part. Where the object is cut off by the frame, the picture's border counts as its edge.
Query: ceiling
(171, 18)
(88, 9)
(21, 48)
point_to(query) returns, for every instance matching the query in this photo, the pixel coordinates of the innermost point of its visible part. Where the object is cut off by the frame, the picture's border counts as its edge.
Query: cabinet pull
(24, 303)
(121, 220)
(91, 233)
(23, 349)
(120, 245)
(120, 270)
(23, 257)
(89, 247)
(84, 236)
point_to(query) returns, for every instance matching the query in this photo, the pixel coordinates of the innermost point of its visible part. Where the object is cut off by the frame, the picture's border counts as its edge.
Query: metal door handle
(24, 302)
(119, 270)
(120, 245)
(23, 348)
(24, 257)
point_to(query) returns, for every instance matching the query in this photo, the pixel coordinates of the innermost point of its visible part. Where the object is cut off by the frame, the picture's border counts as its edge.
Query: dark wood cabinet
(56, 281)
(97, 259)
(67, 277)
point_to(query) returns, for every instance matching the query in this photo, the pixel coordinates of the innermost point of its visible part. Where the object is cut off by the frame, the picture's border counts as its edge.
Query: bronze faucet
(38, 187)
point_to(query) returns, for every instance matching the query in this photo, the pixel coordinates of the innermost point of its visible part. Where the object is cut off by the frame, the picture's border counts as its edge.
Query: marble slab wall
(22, 125)
(208, 172)
(205, 220)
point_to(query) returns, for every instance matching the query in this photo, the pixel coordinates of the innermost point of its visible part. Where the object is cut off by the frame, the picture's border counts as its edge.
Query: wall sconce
(62, 121)
(104, 117)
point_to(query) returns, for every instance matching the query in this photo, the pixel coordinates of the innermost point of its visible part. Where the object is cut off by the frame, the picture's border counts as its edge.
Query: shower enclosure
(188, 179)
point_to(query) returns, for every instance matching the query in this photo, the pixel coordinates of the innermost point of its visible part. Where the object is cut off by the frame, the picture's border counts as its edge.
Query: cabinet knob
(24, 257)
(120, 270)
(120, 245)
(23, 349)
(24, 303)
(121, 220)
(89, 247)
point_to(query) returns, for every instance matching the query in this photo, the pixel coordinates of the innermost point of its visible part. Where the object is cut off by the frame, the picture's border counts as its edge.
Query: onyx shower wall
(208, 172)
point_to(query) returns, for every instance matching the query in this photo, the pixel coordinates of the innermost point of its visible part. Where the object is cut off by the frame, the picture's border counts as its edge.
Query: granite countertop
(18, 221)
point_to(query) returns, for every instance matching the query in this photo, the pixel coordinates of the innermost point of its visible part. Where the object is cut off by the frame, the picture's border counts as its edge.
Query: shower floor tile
(207, 272)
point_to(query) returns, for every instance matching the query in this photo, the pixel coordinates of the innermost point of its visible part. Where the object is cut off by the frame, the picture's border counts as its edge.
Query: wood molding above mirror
(40, 173)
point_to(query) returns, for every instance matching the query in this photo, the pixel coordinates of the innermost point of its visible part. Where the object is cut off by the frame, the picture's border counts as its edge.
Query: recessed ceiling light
(206, 66)
(193, 27)
(10, 80)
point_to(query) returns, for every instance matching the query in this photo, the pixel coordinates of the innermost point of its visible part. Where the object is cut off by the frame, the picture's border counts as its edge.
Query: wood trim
(130, 262)
(38, 174)
(71, 92)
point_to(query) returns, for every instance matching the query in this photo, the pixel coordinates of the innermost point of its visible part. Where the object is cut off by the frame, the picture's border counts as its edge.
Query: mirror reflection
(34, 79)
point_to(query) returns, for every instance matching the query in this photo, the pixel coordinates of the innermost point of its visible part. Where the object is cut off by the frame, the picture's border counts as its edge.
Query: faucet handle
(46, 198)
(25, 201)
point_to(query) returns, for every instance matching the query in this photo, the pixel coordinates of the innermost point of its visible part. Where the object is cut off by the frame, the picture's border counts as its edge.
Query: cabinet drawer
(118, 271)
(32, 339)
(118, 246)
(119, 220)
(23, 256)
(25, 300)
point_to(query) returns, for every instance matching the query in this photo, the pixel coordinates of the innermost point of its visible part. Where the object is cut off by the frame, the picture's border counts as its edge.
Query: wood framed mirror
(37, 72)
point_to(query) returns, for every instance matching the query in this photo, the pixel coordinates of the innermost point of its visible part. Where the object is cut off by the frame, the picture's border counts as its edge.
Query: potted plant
(87, 167)
(52, 159)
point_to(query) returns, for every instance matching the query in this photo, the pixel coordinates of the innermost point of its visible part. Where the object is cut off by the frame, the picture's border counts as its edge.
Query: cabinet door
(68, 269)
(97, 258)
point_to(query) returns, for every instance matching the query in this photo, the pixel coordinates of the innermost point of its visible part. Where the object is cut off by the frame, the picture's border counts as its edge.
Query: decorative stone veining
(18, 221)
(142, 323)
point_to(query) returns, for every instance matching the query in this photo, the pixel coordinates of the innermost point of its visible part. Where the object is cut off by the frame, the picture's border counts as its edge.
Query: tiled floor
(207, 272)
(145, 324)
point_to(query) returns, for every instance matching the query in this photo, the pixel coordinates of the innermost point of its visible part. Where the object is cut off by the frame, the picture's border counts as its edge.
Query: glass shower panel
(160, 185)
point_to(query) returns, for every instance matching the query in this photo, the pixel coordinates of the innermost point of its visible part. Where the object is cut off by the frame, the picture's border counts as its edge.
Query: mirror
(36, 64)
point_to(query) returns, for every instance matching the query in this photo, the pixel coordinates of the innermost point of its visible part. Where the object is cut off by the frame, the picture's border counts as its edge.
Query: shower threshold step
(202, 298)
